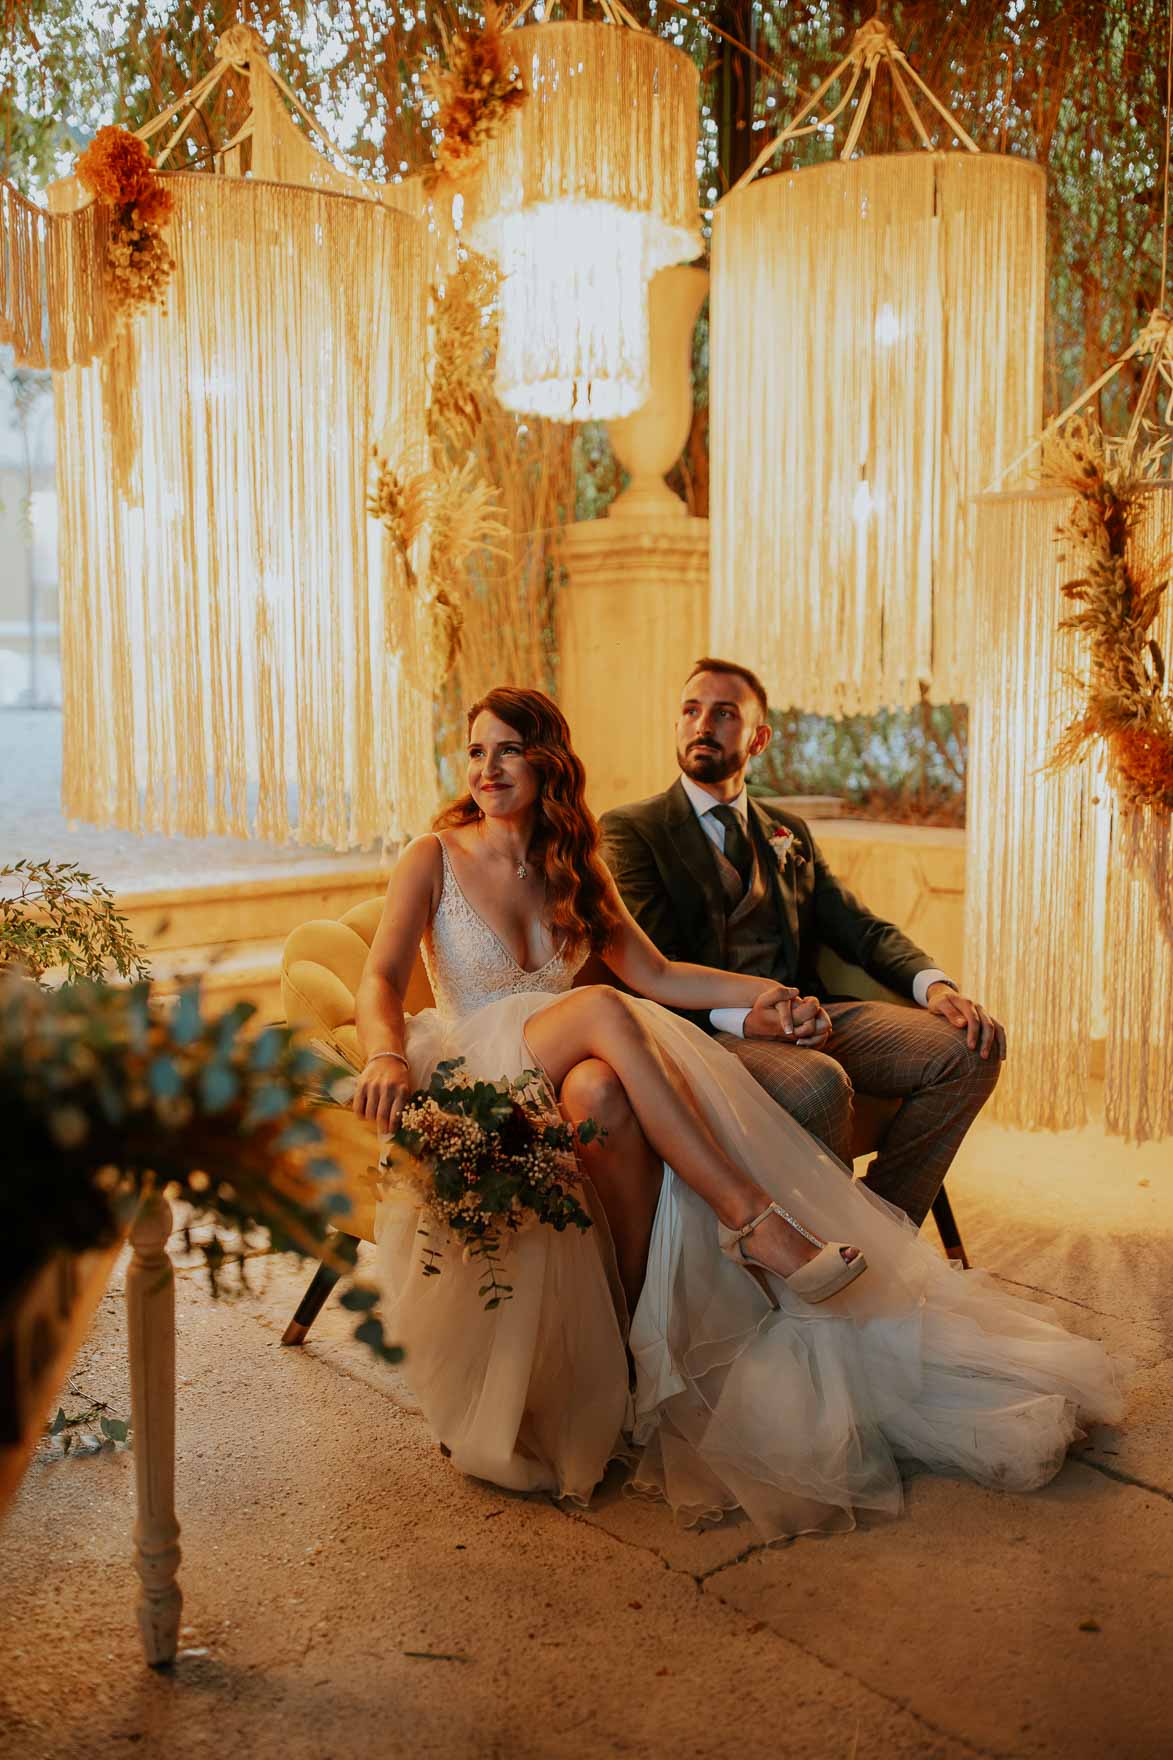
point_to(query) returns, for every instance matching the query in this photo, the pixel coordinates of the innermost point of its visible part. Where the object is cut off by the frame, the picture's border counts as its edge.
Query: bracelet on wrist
(397, 1055)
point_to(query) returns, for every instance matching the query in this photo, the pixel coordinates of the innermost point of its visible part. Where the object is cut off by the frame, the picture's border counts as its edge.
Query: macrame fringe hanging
(877, 330)
(241, 649)
(53, 306)
(1070, 878)
(586, 192)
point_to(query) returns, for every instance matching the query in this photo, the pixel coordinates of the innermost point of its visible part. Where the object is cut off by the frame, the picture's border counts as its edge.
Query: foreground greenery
(109, 1096)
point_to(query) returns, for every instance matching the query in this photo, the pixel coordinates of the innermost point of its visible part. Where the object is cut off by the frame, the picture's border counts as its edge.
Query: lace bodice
(469, 965)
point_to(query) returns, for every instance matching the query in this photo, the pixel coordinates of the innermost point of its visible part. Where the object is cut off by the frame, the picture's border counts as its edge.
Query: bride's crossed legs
(598, 1025)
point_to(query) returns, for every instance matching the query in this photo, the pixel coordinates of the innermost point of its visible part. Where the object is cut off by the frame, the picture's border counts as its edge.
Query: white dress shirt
(732, 1020)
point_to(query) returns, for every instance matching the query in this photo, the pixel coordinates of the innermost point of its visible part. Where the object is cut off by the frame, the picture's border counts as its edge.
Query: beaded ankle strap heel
(823, 1276)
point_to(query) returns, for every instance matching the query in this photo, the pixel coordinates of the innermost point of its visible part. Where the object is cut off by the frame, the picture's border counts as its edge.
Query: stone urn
(648, 443)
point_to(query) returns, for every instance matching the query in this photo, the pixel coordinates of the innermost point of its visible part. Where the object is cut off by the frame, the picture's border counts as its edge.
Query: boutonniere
(785, 846)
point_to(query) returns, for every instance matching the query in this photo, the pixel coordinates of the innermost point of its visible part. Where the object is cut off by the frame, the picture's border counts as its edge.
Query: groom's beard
(706, 763)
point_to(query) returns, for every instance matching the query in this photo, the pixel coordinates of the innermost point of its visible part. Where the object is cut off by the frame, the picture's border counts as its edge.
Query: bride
(792, 1337)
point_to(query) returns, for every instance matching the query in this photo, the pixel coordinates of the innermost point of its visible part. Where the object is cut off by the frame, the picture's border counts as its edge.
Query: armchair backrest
(320, 968)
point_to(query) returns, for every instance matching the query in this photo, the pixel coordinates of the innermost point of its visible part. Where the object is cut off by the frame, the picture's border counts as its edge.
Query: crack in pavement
(1056, 1295)
(837, 1668)
(1126, 1478)
(702, 1578)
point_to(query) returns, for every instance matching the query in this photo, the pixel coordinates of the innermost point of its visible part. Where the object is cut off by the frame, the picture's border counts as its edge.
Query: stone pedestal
(633, 616)
(634, 611)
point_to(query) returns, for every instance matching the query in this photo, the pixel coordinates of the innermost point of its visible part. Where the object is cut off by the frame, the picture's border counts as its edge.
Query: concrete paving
(348, 1594)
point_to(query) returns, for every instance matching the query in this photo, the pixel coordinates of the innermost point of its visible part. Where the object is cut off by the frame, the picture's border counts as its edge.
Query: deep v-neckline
(450, 874)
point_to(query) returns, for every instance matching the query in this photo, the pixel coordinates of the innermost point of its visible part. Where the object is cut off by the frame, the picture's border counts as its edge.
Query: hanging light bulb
(588, 191)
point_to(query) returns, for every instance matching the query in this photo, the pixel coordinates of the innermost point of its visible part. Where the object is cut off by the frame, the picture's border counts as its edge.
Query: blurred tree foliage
(1078, 85)
(903, 764)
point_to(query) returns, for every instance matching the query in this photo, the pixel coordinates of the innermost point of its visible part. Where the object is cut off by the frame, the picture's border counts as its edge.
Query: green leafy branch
(60, 916)
(108, 1097)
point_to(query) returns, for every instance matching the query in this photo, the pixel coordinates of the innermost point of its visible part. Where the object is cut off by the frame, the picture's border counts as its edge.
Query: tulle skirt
(799, 1416)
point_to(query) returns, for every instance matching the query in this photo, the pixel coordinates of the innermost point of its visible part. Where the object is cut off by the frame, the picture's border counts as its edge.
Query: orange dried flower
(115, 167)
(475, 94)
(1146, 762)
(118, 171)
(154, 207)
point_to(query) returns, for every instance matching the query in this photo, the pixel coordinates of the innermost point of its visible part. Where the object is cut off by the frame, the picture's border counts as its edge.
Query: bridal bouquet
(485, 1161)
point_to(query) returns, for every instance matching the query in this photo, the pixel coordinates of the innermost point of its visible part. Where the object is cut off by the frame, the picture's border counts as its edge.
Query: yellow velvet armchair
(320, 970)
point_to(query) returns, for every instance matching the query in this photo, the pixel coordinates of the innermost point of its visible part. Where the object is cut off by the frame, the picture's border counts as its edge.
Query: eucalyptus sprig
(108, 1096)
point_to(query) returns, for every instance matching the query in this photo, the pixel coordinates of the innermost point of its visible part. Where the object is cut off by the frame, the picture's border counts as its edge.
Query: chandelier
(876, 355)
(241, 651)
(587, 191)
(1066, 866)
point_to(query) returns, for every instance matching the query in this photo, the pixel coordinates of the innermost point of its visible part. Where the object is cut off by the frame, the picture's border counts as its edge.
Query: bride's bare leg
(624, 1169)
(598, 1022)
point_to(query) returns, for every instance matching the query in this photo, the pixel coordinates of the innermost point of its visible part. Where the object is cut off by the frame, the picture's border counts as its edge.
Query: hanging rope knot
(1154, 338)
(239, 45)
(872, 42)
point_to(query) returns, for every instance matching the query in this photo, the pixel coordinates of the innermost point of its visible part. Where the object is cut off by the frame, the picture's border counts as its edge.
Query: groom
(714, 876)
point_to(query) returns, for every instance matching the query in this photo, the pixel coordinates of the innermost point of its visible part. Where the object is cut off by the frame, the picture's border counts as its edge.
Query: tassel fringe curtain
(876, 356)
(588, 190)
(1057, 873)
(53, 306)
(239, 650)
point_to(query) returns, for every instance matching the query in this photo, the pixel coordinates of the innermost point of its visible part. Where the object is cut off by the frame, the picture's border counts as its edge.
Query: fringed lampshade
(587, 191)
(241, 650)
(1064, 908)
(876, 356)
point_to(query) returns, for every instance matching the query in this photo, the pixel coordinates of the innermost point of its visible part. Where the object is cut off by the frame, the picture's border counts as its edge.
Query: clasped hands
(782, 1012)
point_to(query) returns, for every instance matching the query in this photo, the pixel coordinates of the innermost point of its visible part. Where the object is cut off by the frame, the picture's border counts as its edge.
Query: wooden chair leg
(948, 1230)
(311, 1304)
(150, 1325)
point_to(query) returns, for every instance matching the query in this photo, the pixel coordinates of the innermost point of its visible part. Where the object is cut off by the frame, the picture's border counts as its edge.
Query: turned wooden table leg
(150, 1318)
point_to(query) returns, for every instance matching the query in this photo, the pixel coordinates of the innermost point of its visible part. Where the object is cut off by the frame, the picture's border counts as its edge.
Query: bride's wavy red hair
(565, 843)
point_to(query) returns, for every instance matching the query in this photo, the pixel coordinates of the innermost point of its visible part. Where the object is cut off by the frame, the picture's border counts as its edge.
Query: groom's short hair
(708, 663)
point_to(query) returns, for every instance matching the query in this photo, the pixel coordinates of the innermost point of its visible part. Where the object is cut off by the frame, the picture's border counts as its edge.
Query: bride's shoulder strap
(422, 862)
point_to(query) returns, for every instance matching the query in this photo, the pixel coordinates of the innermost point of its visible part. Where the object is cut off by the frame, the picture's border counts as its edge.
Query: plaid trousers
(900, 1053)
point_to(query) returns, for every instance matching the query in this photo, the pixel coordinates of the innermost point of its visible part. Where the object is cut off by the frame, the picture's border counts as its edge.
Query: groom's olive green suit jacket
(666, 870)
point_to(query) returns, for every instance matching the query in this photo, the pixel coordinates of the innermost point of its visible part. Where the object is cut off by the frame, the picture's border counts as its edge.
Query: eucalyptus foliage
(108, 1097)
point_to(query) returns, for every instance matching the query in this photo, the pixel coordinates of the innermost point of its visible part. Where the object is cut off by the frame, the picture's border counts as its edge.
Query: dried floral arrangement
(1127, 703)
(465, 320)
(117, 170)
(457, 510)
(476, 86)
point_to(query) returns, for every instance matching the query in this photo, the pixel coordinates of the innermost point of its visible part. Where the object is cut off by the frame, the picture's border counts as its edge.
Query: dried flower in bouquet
(117, 170)
(475, 91)
(485, 1161)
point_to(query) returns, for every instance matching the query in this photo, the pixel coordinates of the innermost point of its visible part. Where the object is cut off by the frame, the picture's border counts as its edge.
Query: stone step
(227, 915)
(250, 972)
(232, 934)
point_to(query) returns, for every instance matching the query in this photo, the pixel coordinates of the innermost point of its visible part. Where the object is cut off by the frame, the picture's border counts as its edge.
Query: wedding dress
(799, 1416)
